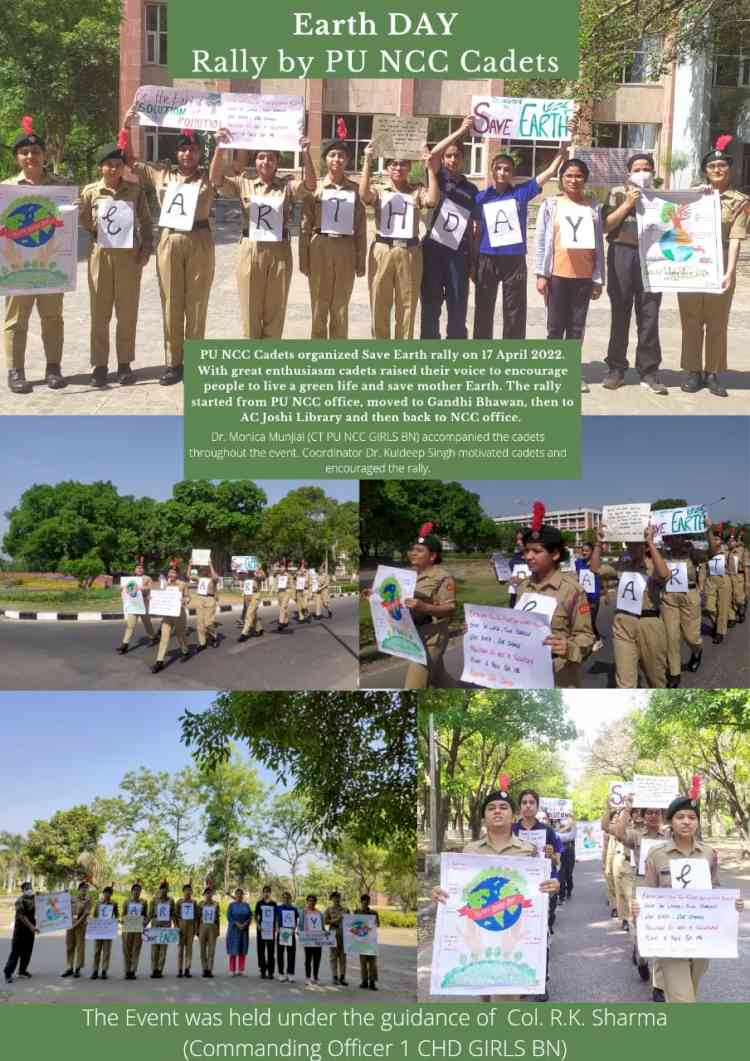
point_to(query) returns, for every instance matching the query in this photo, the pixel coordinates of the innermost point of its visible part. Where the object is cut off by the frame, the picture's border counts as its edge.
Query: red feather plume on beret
(723, 142)
(425, 529)
(186, 132)
(122, 139)
(504, 782)
(695, 787)
(537, 517)
(27, 124)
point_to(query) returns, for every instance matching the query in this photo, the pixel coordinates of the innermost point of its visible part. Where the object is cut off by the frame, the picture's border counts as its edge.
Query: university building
(676, 116)
(574, 520)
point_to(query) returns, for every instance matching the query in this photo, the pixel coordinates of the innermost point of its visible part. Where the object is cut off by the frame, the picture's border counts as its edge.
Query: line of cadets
(400, 267)
(195, 920)
(678, 829)
(650, 641)
(297, 589)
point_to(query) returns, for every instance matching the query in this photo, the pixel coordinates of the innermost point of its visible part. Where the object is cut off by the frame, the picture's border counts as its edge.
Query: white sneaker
(315, 980)
(290, 979)
(597, 645)
(283, 979)
(308, 981)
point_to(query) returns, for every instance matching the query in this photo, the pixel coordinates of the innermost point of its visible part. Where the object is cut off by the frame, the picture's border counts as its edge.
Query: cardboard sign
(625, 523)
(266, 218)
(200, 557)
(717, 565)
(607, 165)
(132, 597)
(630, 590)
(679, 240)
(396, 217)
(132, 923)
(38, 239)
(687, 923)
(556, 807)
(166, 602)
(285, 937)
(587, 580)
(179, 205)
(53, 911)
(402, 138)
(517, 118)
(651, 791)
(502, 567)
(504, 648)
(678, 577)
(537, 602)
(208, 915)
(576, 223)
(620, 792)
(449, 224)
(502, 221)
(360, 934)
(115, 223)
(337, 211)
(161, 937)
(101, 928)
(690, 873)
(395, 631)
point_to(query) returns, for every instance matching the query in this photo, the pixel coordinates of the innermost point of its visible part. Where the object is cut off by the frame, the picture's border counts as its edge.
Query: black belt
(647, 613)
(397, 242)
(332, 235)
(284, 235)
(196, 224)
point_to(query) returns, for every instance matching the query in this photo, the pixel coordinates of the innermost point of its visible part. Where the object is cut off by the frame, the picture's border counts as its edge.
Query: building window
(156, 34)
(533, 155)
(357, 134)
(159, 145)
(640, 136)
(474, 146)
(732, 70)
(641, 66)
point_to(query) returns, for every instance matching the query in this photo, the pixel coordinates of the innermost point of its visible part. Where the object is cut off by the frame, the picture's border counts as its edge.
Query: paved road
(590, 955)
(396, 968)
(724, 666)
(75, 655)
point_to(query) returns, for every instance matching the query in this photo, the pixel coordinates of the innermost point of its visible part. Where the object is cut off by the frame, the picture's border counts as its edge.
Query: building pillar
(315, 95)
(131, 57)
(692, 118)
(406, 97)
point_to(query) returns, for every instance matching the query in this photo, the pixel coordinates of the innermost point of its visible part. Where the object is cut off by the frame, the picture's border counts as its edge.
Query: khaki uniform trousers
(709, 314)
(17, 313)
(131, 950)
(680, 978)
(75, 947)
(337, 958)
(640, 641)
(622, 872)
(176, 625)
(185, 267)
(681, 614)
(252, 619)
(302, 603)
(739, 591)
(158, 957)
(114, 283)
(264, 273)
(207, 936)
(719, 601)
(185, 945)
(568, 676)
(368, 967)
(205, 618)
(434, 675)
(333, 267)
(609, 875)
(284, 596)
(394, 274)
(130, 624)
(102, 953)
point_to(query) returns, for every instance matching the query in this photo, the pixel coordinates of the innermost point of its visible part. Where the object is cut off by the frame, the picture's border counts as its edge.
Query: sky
(638, 458)
(141, 455)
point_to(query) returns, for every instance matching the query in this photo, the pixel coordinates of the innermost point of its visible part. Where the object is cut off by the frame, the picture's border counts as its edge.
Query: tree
(391, 512)
(86, 570)
(400, 878)
(668, 502)
(55, 848)
(290, 837)
(614, 751)
(246, 868)
(13, 860)
(308, 524)
(234, 803)
(361, 862)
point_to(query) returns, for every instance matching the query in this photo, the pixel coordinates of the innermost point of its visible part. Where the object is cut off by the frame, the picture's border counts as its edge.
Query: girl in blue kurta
(239, 916)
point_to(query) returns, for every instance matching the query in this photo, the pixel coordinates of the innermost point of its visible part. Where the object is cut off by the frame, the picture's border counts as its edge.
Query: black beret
(330, 145)
(107, 151)
(682, 803)
(498, 794)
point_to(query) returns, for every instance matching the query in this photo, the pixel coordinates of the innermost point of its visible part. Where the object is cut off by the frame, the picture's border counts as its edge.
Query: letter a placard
(630, 590)
(178, 205)
(503, 224)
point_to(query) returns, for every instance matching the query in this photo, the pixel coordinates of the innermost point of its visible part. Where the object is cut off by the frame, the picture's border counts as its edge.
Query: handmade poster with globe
(491, 933)
(38, 239)
(394, 626)
(679, 238)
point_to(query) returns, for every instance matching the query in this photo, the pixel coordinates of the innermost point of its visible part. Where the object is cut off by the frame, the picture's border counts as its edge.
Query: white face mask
(642, 178)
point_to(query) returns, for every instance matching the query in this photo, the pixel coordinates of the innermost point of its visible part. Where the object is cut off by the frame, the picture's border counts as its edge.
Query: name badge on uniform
(301, 581)
(208, 915)
(115, 222)
(396, 216)
(690, 873)
(163, 911)
(179, 205)
(187, 911)
(717, 565)
(449, 224)
(248, 586)
(266, 218)
(630, 590)
(678, 577)
(502, 222)
(203, 587)
(538, 602)
(337, 211)
(106, 910)
(282, 581)
(576, 224)
(587, 580)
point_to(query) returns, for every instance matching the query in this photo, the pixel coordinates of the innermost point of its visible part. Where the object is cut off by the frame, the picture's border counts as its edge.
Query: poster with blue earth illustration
(491, 933)
(395, 631)
(679, 240)
(38, 239)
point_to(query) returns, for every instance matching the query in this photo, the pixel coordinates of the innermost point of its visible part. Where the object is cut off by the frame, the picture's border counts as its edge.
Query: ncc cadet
(592, 586)
(681, 976)
(333, 920)
(75, 937)
(737, 564)
(264, 946)
(718, 587)
(252, 626)
(209, 930)
(709, 313)
(333, 243)
(108, 206)
(264, 263)
(394, 267)
(302, 593)
(631, 835)
(185, 254)
(445, 247)
(368, 963)
(132, 941)
(320, 589)
(498, 252)
(639, 636)
(24, 931)
(282, 579)
(206, 606)
(681, 611)
(143, 581)
(187, 922)
(619, 869)
(162, 913)
(106, 907)
(432, 605)
(28, 149)
(571, 635)
(610, 848)
(174, 624)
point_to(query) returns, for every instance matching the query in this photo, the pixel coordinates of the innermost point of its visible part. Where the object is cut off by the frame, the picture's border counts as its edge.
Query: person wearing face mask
(625, 283)
(708, 314)
(264, 263)
(24, 931)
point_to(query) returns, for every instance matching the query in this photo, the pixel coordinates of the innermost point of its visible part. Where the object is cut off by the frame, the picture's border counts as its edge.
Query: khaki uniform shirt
(633, 837)
(47, 178)
(311, 212)
(734, 215)
(80, 907)
(572, 616)
(245, 186)
(96, 196)
(333, 916)
(658, 874)
(418, 193)
(513, 847)
(159, 174)
(434, 586)
(654, 585)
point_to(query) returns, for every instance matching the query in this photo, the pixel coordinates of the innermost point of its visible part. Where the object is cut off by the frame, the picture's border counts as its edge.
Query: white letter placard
(678, 577)
(576, 226)
(449, 224)
(396, 219)
(503, 223)
(266, 221)
(337, 211)
(115, 220)
(178, 205)
(630, 590)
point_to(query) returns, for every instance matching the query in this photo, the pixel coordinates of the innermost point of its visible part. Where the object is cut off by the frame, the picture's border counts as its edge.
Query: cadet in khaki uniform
(368, 963)
(681, 976)
(162, 913)
(718, 586)
(209, 930)
(332, 918)
(28, 149)
(319, 584)
(103, 947)
(187, 922)
(737, 574)
(498, 809)
(206, 606)
(331, 253)
(609, 855)
(264, 263)
(431, 607)
(710, 313)
(184, 260)
(174, 624)
(394, 268)
(144, 583)
(619, 869)
(132, 941)
(282, 578)
(571, 634)
(681, 612)
(114, 272)
(252, 626)
(302, 593)
(75, 937)
(631, 835)
(638, 639)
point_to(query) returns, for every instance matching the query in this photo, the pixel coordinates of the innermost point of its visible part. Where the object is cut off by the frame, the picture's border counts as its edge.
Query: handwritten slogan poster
(687, 923)
(504, 648)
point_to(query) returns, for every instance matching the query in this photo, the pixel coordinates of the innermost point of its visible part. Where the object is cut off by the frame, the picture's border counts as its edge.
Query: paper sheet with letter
(679, 240)
(395, 631)
(683, 923)
(647, 843)
(491, 933)
(504, 648)
(179, 205)
(38, 239)
(360, 933)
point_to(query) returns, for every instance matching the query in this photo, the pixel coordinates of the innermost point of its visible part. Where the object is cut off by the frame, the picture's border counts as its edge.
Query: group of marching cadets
(676, 832)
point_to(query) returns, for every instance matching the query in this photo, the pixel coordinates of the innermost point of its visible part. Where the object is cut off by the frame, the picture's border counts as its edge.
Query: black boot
(104, 974)
(172, 375)
(643, 971)
(693, 383)
(99, 376)
(695, 661)
(122, 649)
(712, 382)
(658, 995)
(157, 667)
(125, 374)
(244, 637)
(95, 974)
(673, 681)
(53, 377)
(17, 382)
(717, 638)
